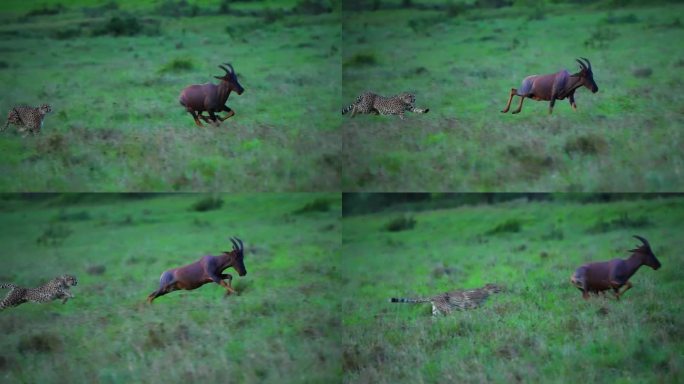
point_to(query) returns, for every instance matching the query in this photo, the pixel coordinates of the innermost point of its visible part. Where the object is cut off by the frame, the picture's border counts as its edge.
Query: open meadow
(462, 60)
(539, 329)
(113, 71)
(283, 326)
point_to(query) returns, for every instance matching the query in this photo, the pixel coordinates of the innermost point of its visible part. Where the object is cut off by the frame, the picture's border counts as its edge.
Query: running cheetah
(445, 303)
(28, 119)
(372, 103)
(57, 288)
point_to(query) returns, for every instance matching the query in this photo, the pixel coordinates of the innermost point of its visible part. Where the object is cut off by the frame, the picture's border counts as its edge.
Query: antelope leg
(510, 98)
(522, 98)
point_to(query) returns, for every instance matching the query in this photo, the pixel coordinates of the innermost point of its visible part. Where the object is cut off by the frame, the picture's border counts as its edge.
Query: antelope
(614, 274)
(212, 98)
(205, 270)
(555, 86)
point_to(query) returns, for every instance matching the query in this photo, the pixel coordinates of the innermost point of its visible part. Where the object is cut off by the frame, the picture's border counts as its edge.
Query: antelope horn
(235, 245)
(587, 60)
(230, 66)
(224, 68)
(582, 65)
(643, 241)
(242, 247)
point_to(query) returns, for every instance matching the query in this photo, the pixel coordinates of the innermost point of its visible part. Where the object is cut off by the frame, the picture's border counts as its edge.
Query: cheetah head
(407, 98)
(493, 288)
(69, 280)
(45, 109)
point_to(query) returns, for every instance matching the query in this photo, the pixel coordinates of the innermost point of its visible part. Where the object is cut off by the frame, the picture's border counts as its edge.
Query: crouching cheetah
(28, 119)
(445, 303)
(57, 288)
(370, 102)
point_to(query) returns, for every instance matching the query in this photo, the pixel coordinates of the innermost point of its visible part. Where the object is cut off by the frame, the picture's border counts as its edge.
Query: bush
(311, 7)
(54, 234)
(318, 205)
(272, 15)
(120, 25)
(361, 59)
(403, 223)
(624, 221)
(589, 144)
(177, 65)
(46, 10)
(179, 8)
(207, 204)
(63, 215)
(508, 226)
(43, 342)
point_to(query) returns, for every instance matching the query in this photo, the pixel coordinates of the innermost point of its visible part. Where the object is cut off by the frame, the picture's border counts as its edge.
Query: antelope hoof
(515, 112)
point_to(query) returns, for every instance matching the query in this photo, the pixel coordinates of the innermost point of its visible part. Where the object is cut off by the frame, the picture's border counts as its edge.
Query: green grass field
(540, 330)
(283, 327)
(117, 124)
(462, 64)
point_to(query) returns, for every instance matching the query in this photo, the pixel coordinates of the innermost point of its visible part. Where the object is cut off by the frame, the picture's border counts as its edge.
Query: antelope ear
(218, 77)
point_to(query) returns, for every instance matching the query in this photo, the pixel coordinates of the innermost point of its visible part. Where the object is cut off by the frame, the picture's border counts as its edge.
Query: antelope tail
(408, 300)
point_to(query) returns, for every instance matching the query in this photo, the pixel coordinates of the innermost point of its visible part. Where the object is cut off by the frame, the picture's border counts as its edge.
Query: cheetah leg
(353, 111)
(401, 115)
(508, 105)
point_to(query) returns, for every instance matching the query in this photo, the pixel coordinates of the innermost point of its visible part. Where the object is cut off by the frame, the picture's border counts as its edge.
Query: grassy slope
(117, 124)
(283, 326)
(540, 330)
(627, 137)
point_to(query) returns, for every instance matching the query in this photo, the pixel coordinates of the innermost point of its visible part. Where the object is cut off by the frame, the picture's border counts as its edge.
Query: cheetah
(445, 303)
(28, 119)
(57, 288)
(372, 103)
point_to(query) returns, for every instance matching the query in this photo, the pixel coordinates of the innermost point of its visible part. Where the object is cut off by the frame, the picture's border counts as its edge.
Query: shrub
(46, 10)
(177, 65)
(318, 205)
(43, 342)
(361, 59)
(207, 204)
(311, 7)
(589, 144)
(54, 234)
(403, 223)
(624, 221)
(508, 226)
(63, 215)
(120, 25)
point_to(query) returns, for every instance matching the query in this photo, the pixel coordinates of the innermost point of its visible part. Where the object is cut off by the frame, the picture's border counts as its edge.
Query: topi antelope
(602, 276)
(211, 97)
(205, 270)
(555, 86)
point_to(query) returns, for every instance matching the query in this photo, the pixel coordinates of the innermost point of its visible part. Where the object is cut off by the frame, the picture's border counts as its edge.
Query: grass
(463, 63)
(113, 75)
(283, 327)
(538, 330)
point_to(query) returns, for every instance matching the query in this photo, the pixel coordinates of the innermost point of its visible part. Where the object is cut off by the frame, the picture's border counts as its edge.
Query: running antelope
(208, 269)
(211, 97)
(614, 274)
(555, 86)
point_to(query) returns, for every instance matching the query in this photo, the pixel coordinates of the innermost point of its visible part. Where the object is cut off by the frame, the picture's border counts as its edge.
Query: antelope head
(586, 75)
(231, 79)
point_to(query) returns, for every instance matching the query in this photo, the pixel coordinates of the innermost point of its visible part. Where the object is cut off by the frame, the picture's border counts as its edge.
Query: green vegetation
(113, 71)
(461, 58)
(540, 329)
(283, 327)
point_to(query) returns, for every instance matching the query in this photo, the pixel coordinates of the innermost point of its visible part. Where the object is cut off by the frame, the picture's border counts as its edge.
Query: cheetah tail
(346, 110)
(405, 300)
(7, 285)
